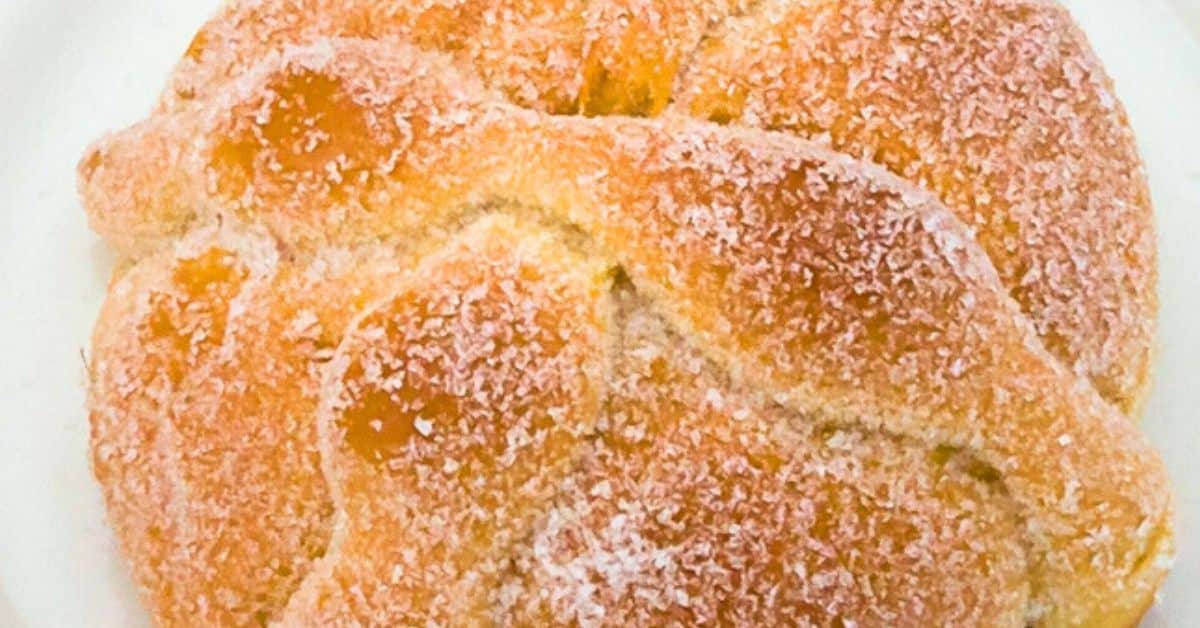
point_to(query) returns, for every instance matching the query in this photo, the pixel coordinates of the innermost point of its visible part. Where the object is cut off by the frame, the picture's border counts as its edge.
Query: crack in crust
(798, 286)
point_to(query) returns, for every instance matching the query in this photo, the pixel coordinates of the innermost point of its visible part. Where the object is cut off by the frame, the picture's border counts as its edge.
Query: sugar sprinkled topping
(472, 361)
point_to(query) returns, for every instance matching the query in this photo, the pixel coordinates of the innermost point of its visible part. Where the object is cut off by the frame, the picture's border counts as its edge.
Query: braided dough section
(560, 56)
(708, 504)
(1001, 109)
(225, 517)
(998, 106)
(835, 290)
(204, 380)
(450, 415)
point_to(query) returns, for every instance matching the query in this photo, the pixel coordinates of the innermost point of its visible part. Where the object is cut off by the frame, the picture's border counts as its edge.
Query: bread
(398, 347)
(997, 106)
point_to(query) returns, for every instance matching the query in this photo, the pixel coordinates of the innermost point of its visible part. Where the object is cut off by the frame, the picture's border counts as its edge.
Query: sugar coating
(561, 56)
(703, 504)
(997, 106)
(824, 304)
(498, 347)
(204, 380)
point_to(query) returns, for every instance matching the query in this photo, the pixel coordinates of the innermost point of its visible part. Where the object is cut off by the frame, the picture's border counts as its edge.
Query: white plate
(71, 69)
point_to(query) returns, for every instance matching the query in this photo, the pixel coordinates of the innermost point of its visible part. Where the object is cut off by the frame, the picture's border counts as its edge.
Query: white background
(71, 69)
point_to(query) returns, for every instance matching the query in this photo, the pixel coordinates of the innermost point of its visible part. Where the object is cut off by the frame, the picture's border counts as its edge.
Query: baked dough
(394, 349)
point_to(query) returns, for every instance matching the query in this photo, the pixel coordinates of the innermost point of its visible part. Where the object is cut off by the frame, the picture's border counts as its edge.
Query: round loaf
(533, 313)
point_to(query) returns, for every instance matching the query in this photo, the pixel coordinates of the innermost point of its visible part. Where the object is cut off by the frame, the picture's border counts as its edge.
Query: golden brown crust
(701, 501)
(204, 385)
(822, 290)
(450, 414)
(560, 56)
(998, 106)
